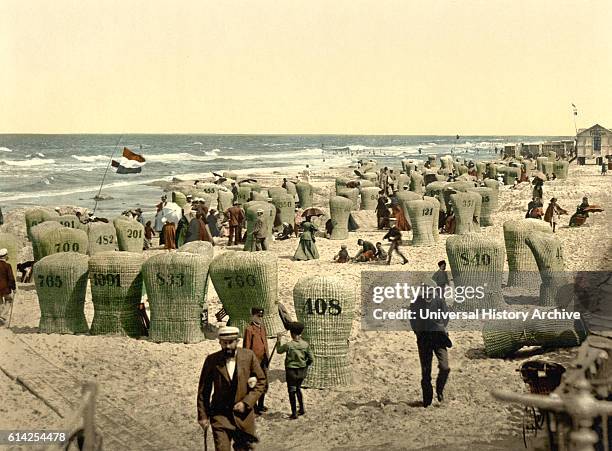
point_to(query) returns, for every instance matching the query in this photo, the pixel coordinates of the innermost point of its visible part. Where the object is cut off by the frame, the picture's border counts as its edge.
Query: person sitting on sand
(553, 212)
(342, 256)
(286, 232)
(535, 203)
(307, 249)
(366, 253)
(381, 254)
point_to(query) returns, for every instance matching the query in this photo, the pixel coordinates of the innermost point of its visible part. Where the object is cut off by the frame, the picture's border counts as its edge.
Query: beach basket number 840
(321, 306)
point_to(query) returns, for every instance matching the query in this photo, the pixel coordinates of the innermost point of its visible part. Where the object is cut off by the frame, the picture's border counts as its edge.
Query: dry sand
(148, 390)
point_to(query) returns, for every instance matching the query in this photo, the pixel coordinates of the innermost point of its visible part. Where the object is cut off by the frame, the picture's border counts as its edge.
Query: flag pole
(105, 172)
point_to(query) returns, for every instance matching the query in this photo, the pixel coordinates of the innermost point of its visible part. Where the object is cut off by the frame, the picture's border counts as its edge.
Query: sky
(510, 67)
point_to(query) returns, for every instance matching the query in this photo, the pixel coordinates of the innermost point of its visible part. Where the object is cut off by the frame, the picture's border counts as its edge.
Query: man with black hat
(230, 410)
(235, 216)
(256, 339)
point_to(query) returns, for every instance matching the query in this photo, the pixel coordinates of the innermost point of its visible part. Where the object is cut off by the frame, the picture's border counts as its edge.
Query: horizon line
(273, 134)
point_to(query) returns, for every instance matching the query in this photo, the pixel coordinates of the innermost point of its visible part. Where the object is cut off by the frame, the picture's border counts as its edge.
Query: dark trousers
(223, 440)
(295, 377)
(260, 402)
(235, 235)
(427, 348)
(395, 248)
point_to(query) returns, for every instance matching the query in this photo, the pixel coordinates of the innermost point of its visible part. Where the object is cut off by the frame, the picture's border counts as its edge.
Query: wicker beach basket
(35, 216)
(198, 247)
(462, 169)
(502, 338)
(244, 280)
(101, 237)
(9, 242)
(325, 305)
(548, 168)
(244, 194)
(351, 194)
(176, 285)
(61, 285)
(477, 261)
(62, 239)
(403, 180)
(492, 171)
(421, 214)
(369, 198)
(432, 160)
(408, 166)
(340, 209)
(179, 198)
(486, 205)
(130, 234)
(523, 270)
(71, 221)
(370, 176)
(261, 196)
(116, 291)
(367, 184)
(416, 183)
(560, 169)
(230, 175)
(435, 202)
(304, 192)
(211, 190)
(291, 189)
(511, 174)
(341, 183)
(548, 254)
(225, 200)
(435, 188)
(37, 233)
(464, 207)
(481, 170)
(277, 191)
(285, 205)
(250, 211)
(540, 163)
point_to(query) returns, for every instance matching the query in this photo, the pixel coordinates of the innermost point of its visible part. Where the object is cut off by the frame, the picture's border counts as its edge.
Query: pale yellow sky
(292, 66)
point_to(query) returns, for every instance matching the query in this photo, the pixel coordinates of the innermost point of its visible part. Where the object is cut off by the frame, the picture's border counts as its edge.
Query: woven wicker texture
(523, 270)
(230, 175)
(435, 188)
(367, 184)
(130, 234)
(492, 171)
(116, 291)
(464, 207)
(176, 285)
(291, 189)
(477, 261)
(351, 194)
(402, 180)
(61, 285)
(369, 198)
(421, 218)
(254, 186)
(369, 166)
(277, 191)
(447, 162)
(260, 196)
(560, 169)
(62, 239)
(285, 205)
(37, 232)
(486, 205)
(325, 306)
(9, 242)
(481, 170)
(502, 338)
(179, 198)
(409, 166)
(340, 183)
(207, 199)
(462, 185)
(198, 247)
(511, 174)
(71, 221)
(340, 209)
(416, 183)
(211, 190)
(35, 216)
(244, 194)
(435, 202)
(548, 253)
(101, 237)
(304, 192)
(250, 211)
(540, 163)
(244, 280)
(225, 200)
(433, 161)
(462, 169)
(547, 168)
(370, 176)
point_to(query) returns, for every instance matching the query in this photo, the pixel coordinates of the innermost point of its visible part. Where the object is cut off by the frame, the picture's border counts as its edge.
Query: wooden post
(89, 421)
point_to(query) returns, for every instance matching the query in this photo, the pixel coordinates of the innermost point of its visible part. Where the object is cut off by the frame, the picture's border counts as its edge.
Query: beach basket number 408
(320, 306)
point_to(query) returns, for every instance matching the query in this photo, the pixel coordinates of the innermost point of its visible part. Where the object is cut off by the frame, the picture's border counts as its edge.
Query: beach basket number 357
(321, 306)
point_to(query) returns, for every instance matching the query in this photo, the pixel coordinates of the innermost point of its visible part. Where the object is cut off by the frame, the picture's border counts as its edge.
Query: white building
(594, 142)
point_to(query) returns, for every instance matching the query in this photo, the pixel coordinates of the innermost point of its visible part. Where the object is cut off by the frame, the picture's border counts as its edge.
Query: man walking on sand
(230, 411)
(235, 216)
(256, 339)
(7, 287)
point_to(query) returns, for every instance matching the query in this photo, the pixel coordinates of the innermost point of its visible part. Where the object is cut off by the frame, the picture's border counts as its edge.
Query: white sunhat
(228, 333)
(3, 252)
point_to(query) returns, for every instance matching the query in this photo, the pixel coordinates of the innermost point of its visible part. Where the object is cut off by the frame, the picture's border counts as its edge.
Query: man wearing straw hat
(230, 412)
(259, 232)
(7, 287)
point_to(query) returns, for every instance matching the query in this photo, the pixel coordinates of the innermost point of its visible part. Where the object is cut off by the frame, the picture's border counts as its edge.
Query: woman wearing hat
(307, 250)
(7, 286)
(553, 212)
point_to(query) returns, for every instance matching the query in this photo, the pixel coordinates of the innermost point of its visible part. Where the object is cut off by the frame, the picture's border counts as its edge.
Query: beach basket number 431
(321, 306)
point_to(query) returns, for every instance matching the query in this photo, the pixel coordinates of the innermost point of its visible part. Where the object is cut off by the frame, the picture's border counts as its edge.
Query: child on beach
(342, 256)
(149, 234)
(298, 359)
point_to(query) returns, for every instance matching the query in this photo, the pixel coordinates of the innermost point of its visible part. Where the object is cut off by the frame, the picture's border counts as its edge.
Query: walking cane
(11, 313)
(206, 438)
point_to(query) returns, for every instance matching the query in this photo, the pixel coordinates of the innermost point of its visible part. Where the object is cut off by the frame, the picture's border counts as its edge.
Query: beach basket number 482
(321, 306)
(105, 239)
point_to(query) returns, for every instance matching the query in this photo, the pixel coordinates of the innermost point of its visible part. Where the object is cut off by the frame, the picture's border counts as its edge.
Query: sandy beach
(148, 390)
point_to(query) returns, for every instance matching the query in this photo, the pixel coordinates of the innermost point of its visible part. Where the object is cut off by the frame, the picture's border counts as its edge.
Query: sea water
(67, 169)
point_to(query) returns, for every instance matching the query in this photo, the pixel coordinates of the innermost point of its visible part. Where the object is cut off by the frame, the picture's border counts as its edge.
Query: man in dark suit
(230, 411)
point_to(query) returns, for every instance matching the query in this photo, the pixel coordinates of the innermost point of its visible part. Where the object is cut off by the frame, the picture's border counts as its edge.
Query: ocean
(68, 169)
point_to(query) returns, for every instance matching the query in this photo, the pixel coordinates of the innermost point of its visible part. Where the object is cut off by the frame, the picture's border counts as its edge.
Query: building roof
(585, 131)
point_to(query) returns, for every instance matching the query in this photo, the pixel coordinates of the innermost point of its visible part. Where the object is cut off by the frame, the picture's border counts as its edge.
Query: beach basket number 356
(321, 306)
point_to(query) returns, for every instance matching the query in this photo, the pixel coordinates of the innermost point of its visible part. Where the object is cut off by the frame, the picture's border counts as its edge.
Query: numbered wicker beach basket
(130, 234)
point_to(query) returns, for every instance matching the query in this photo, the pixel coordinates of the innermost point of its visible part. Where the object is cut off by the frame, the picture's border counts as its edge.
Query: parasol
(313, 212)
